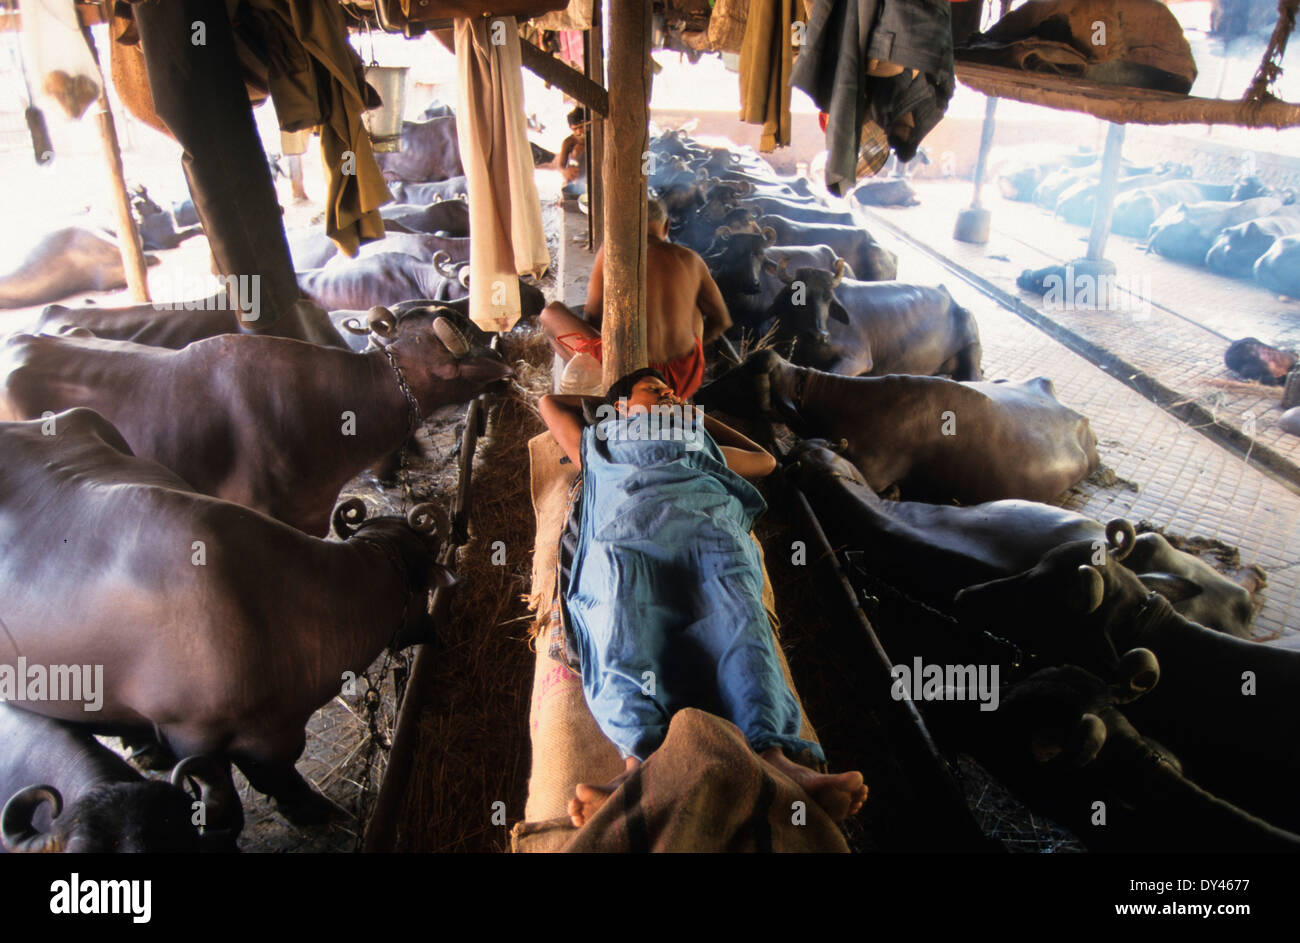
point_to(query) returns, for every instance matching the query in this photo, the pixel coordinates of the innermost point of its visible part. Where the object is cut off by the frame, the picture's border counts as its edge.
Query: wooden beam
(128, 236)
(593, 54)
(564, 77)
(1104, 206)
(623, 170)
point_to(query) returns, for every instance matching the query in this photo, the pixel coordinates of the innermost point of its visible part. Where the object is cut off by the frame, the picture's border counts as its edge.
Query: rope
(1270, 66)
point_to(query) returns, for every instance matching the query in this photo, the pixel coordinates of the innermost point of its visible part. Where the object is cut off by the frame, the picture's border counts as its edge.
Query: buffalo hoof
(309, 807)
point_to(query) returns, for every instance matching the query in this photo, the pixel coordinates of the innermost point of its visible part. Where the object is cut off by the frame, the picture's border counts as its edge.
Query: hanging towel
(766, 60)
(506, 236)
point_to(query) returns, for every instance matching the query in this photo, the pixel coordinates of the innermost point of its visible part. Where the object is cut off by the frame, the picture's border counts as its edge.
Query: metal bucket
(385, 122)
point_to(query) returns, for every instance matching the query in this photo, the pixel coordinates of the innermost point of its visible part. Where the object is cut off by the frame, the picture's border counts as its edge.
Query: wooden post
(128, 237)
(624, 178)
(594, 60)
(1104, 207)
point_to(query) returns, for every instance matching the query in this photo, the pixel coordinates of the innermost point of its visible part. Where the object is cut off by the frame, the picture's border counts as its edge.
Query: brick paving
(1166, 472)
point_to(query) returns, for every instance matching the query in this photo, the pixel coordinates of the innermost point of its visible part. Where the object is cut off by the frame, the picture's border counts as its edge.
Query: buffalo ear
(769, 266)
(1173, 588)
(838, 313)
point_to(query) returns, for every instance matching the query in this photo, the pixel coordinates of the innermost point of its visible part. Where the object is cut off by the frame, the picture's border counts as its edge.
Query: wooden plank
(627, 140)
(564, 77)
(593, 51)
(1123, 104)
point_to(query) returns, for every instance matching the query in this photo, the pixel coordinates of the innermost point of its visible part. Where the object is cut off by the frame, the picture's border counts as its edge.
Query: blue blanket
(665, 594)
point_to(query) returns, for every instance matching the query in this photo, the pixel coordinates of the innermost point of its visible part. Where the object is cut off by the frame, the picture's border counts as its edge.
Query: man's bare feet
(840, 794)
(590, 798)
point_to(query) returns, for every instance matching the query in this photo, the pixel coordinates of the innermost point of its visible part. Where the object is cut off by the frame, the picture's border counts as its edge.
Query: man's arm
(594, 310)
(563, 417)
(712, 307)
(744, 456)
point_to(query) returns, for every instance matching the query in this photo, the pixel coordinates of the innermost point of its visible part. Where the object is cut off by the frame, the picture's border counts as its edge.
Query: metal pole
(986, 144)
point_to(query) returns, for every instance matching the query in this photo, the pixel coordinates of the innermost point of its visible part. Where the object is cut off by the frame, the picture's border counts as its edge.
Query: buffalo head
(736, 256)
(136, 816)
(756, 389)
(804, 308)
(441, 347)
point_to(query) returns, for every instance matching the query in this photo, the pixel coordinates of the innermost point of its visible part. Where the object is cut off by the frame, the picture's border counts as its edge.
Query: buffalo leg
(968, 363)
(294, 797)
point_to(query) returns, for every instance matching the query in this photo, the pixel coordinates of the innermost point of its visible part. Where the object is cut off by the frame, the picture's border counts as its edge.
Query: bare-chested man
(684, 310)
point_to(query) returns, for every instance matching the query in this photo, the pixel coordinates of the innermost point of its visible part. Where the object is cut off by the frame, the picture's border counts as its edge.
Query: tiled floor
(1167, 473)
(1174, 322)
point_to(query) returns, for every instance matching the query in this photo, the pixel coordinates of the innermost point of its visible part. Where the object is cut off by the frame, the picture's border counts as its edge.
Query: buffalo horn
(1140, 670)
(16, 829)
(451, 337)
(354, 326)
(437, 198)
(346, 515)
(429, 518)
(381, 320)
(839, 272)
(1089, 590)
(440, 260)
(1116, 529)
(769, 236)
(723, 232)
(463, 275)
(1086, 739)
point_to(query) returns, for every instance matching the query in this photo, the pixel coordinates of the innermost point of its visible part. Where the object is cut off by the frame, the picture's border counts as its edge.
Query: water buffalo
(179, 324)
(62, 791)
(1186, 232)
(63, 263)
(1060, 740)
(743, 189)
(381, 279)
(1252, 359)
(1237, 248)
(853, 244)
(1226, 706)
(424, 193)
(430, 151)
(933, 551)
(890, 191)
(795, 211)
(220, 629)
(1075, 204)
(1137, 209)
(1278, 269)
(744, 264)
(450, 217)
(276, 425)
(937, 439)
(841, 325)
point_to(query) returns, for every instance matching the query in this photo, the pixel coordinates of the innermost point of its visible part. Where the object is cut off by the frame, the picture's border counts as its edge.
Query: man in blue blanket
(665, 592)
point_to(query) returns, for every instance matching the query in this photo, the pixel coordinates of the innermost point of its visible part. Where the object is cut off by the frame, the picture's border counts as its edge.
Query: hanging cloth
(506, 238)
(316, 79)
(766, 61)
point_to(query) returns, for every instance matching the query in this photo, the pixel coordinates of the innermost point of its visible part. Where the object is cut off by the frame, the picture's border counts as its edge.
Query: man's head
(578, 122)
(657, 217)
(641, 389)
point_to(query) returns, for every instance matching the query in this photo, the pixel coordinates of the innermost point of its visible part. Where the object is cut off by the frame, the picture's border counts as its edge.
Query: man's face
(579, 131)
(651, 391)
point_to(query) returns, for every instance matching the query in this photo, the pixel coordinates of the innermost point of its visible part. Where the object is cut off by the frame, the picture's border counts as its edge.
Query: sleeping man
(664, 598)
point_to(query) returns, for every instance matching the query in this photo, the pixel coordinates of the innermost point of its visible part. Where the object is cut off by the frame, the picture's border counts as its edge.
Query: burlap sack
(727, 25)
(577, 15)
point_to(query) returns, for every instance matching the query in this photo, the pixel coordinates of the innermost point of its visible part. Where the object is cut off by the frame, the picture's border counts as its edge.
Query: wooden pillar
(594, 61)
(1104, 207)
(128, 237)
(624, 179)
